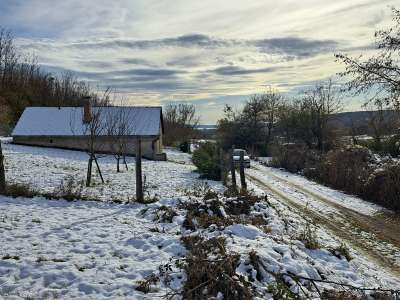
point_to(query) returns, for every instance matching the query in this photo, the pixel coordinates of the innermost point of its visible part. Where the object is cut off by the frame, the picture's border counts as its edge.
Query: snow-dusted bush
(211, 271)
(353, 169)
(383, 186)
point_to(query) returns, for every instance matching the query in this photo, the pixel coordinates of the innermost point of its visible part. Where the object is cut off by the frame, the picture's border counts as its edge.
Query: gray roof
(67, 121)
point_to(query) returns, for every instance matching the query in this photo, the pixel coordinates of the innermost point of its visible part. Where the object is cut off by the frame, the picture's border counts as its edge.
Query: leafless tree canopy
(269, 115)
(180, 121)
(23, 83)
(252, 127)
(379, 75)
(118, 128)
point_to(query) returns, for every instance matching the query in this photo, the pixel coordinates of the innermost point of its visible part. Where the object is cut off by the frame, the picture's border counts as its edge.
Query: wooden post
(233, 171)
(89, 171)
(126, 164)
(2, 173)
(222, 165)
(98, 169)
(139, 183)
(242, 177)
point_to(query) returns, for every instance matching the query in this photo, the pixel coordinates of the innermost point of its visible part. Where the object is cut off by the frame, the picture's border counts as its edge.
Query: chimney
(87, 112)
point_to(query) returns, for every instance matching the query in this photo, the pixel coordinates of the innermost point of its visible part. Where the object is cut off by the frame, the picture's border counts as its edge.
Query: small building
(70, 127)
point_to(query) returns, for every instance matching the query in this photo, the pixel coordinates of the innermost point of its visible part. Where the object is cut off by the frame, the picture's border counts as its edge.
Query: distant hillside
(361, 120)
(206, 127)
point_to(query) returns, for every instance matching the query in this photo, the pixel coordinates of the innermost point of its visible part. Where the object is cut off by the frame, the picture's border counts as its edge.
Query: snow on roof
(67, 121)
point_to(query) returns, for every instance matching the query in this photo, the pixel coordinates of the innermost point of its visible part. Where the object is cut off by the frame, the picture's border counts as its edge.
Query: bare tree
(273, 102)
(92, 128)
(379, 75)
(252, 127)
(180, 121)
(321, 102)
(118, 128)
(306, 119)
(2, 172)
(23, 83)
(381, 122)
(252, 121)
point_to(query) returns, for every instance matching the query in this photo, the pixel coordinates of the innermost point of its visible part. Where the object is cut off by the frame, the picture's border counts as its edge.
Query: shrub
(70, 189)
(184, 147)
(341, 251)
(346, 168)
(206, 159)
(20, 190)
(293, 157)
(144, 285)
(383, 186)
(388, 146)
(210, 270)
(165, 214)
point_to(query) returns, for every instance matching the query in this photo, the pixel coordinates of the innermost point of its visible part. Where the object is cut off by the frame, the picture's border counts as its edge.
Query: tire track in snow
(347, 224)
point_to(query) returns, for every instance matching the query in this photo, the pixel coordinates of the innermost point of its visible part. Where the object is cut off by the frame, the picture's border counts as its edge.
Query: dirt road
(376, 235)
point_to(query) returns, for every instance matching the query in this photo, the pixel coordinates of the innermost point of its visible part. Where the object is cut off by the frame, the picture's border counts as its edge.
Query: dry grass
(20, 190)
(211, 270)
(356, 295)
(165, 214)
(341, 251)
(222, 212)
(309, 238)
(144, 285)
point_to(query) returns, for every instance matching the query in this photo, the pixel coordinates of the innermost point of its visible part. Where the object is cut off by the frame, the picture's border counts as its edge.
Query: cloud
(233, 70)
(194, 50)
(186, 41)
(295, 46)
(136, 61)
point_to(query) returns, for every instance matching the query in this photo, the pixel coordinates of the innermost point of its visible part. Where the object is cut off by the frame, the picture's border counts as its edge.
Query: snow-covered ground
(45, 169)
(97, 250)
(277, 176)
(81, 250)
(371, 228)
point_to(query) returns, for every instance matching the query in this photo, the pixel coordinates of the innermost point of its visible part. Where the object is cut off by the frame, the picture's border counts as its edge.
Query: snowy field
(45, 169)
(54, 249)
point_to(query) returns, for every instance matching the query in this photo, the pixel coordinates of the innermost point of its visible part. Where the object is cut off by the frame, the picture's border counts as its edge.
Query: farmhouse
(71, 127)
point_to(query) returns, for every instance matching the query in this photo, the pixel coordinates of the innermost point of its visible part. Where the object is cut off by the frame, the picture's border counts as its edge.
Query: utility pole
(139, 182)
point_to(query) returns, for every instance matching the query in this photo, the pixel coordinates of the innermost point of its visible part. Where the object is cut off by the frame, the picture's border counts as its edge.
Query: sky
(209, 53)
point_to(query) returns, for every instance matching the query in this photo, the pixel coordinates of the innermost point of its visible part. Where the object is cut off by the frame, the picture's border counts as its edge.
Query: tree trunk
(118, 164)
(89, 171)
(2, 173)
(139, 183)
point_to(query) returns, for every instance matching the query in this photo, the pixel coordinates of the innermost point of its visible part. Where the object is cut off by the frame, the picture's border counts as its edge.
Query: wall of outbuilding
(151, 147)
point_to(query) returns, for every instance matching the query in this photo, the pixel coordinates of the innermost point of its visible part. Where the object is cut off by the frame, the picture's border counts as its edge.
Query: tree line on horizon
(23, 82)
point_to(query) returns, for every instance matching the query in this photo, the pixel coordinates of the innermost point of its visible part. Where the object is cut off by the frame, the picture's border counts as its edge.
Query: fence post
(89, 171)
(242, 176)
(139, 183)
(98, 169)
(2, 173)
(233, 171)
(222, 165)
